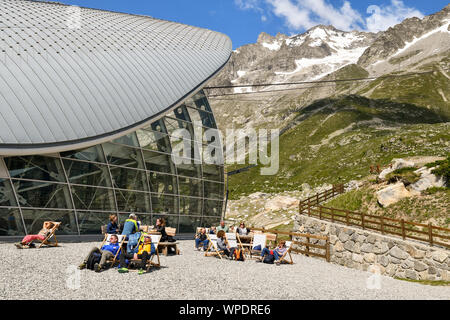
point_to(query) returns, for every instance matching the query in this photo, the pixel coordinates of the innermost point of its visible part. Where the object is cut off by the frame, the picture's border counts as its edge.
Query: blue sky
(244, 20)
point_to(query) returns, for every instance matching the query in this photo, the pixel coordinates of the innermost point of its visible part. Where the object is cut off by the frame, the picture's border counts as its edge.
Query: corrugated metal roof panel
(70, 74)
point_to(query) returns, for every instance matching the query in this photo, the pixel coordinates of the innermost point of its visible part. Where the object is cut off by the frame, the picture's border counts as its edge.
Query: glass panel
(162, 183)
(213, 190)
(157, 162)
(91, 222)
(171, 220)
(7, 198)
(123, 156)
(90, 198)
(189, 170)
(36, 168)
(212, 208)
(198, 117)
(181, 113)
(34, 220)
(154, 140)
(172, 125)
(213, 172)
(189, 224)
(94, 153)
(129, 179)
(163, 204)
(186, 148)
(11, 222)
(190, 187)
(143, 219)
(209, 222)
(190, 206)
(129, 139)
(88, 173)
(42, 194)
(158, 126)
(131, 201)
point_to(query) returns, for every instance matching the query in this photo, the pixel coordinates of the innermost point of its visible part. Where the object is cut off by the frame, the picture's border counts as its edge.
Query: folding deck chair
(107, 240)
(212, 246)
(50, 235)
(150, 262)
(287, 254)
(258, 239)
(197, 232)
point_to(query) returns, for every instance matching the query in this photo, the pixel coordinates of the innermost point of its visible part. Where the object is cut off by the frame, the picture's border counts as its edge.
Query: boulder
(439, 256)
(420, 266)
(398, 253)
(397, 164)
(281, 203)
(427, 180)
(392, 194)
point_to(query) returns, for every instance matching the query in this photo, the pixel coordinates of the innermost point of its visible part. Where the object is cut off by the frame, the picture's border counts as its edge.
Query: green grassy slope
(338, 139)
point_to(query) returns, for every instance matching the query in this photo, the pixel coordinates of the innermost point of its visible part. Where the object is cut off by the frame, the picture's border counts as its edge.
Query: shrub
(443, 170)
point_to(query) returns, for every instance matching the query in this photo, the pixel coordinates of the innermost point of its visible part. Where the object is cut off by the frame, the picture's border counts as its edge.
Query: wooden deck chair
(212, 246)
(155, 240)
(232, 240)
(271, 238)
(287, 254)
(245, 246)
(258, 239)
(50, 235)
(120, 240)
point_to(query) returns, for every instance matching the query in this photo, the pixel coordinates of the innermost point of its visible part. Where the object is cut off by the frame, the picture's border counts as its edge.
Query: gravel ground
(45, 274)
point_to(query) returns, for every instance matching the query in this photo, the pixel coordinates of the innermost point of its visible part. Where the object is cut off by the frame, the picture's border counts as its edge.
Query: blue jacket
(113, 248)
(112, 228)
(130, 226)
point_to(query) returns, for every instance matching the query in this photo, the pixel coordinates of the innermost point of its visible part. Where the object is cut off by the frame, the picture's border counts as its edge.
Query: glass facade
(137, 173)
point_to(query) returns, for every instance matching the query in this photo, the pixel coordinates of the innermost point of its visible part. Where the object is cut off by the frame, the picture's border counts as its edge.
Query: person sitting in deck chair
(27, 241)
(212, 230)
(242, 230)
(201, 238)
(222, 227)
(278, 252)
(222, 244)
(145, 250)
(108, 251)
(112, 227)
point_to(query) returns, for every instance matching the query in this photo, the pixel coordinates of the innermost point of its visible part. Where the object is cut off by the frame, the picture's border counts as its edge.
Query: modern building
(90, 102)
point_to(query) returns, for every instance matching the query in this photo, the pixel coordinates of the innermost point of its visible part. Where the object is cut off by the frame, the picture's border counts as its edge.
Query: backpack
(269, 259)
(238, 255)
(93, 259)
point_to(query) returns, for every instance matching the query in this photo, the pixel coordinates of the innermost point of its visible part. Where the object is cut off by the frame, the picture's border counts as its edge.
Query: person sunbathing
(222, 244)
(144, 252)
(278, 252)
(201, 239)
(108, 251)
(27, 241)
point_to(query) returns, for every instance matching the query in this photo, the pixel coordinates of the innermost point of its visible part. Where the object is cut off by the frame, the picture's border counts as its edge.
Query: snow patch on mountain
(275, 46)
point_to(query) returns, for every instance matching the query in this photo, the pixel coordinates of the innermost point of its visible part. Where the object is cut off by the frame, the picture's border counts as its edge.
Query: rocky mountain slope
(333, 132)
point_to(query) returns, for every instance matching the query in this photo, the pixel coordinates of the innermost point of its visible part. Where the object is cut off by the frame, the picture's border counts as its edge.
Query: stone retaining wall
(369, 251)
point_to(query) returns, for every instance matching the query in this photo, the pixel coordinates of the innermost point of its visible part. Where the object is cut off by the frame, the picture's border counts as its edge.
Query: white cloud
(384, 17)
(300, 15)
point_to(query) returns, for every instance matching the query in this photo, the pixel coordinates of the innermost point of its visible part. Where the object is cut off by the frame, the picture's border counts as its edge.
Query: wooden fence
(303, 240)
(406, 229)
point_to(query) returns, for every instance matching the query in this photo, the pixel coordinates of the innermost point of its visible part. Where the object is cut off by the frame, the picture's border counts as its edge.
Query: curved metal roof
(70, 75)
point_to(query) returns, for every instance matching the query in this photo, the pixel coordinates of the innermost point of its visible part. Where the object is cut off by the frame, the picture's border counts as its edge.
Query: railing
(310, 249)
(321, 197)
(406, 229)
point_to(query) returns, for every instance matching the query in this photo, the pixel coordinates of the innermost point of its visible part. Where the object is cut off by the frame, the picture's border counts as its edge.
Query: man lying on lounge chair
(108, 251)
(27, 241)
(144, 251)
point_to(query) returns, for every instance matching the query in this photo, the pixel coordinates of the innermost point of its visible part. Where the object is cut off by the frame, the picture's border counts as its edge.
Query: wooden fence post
(332, 215)
(430, 233)
(317, 198)
(362, 220)
(346, 217)
(328, 249)
(307, 246)
(403, 229)
(320, 212)
(309, 207)
(382, 225)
